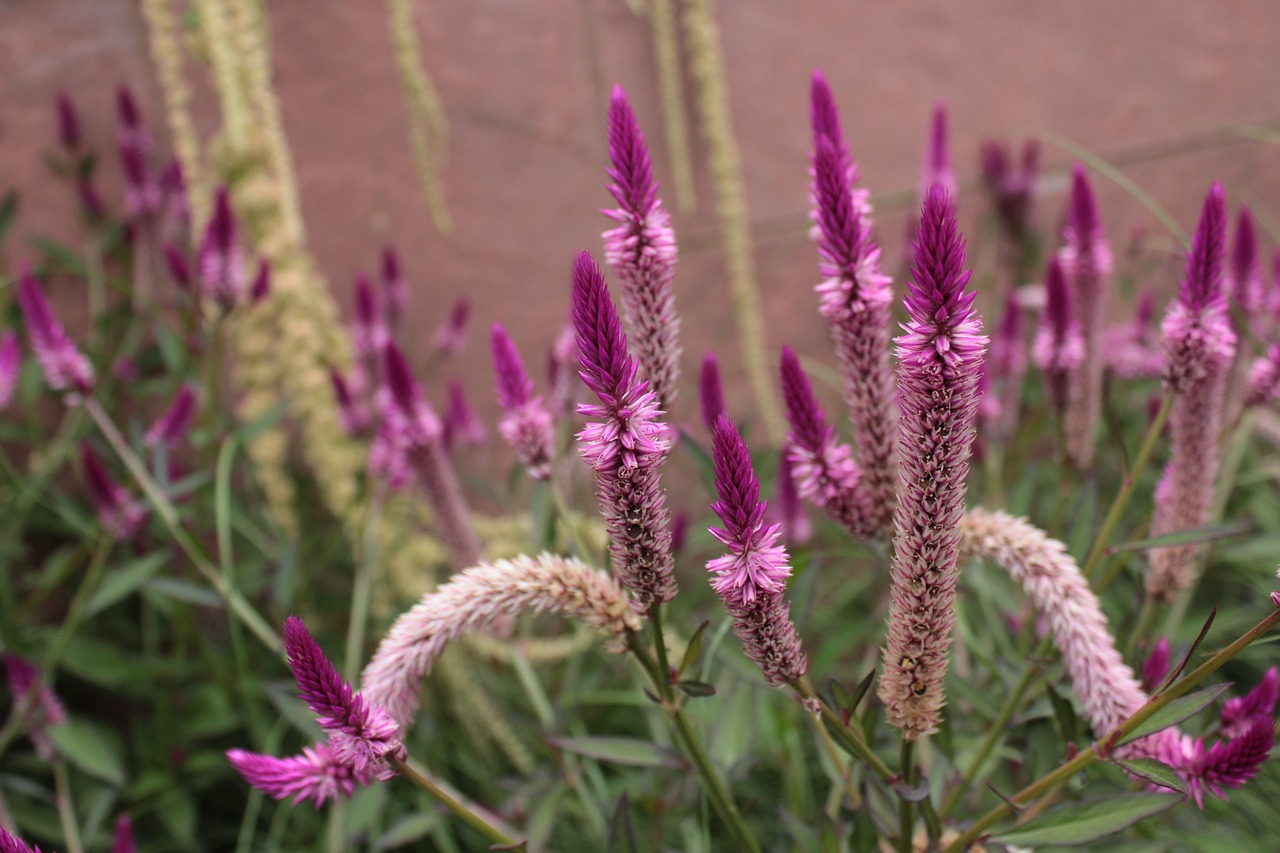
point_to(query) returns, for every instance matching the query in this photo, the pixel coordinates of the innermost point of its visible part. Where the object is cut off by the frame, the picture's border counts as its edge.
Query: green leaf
(694, 648)
(1155, 772)
(1186, 537)
(184, 591)
(701, 460)
(407, 830)
(88, 748)
(1089, 820)
(1064, 714)
(696, 688)
(124, 581)
(1182, 708)
(622, 835)
(619, 750)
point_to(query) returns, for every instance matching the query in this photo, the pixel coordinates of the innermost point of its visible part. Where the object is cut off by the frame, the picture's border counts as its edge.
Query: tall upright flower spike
(939, 359)
(1199, 346)
(122, 841)
(44, 709)
(1103, 683)
(395, 287)
(711, 392)
(452, 334)
(133, 134)
(351, 409)
(561, 366)
(220, 261)
(641, 250)
(119, 514)
(142, 190)
(369, 331)
(1263, 385)
(1059, 346)
(260, 289)
(10, 367)
(936, 168)
(1244, 275)
(625, 446)
(65, 368)
(1086, 264)
(68, 124)
(171, 428)
(855, 298)
(476, 598)
(176, 262)
(526, 425)
(174, 195)
(824, 119)
(1006, 365)
(790, 513)
(416, 431)
(13, 844)
(1012, 187)
(1156, 666)
(1132, 350)
(462, 426)
(751, 578)
(825, 472)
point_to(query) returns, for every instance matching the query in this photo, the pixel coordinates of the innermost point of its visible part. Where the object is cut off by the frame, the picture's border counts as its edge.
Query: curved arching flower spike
(939, 359)
(751, 578)
(1059, 347)
(823, 467)
(855, 298)
(625, 446)
(641, 250)
(1199, 346)
(65, 368)
(526, 425)
(1086, 264)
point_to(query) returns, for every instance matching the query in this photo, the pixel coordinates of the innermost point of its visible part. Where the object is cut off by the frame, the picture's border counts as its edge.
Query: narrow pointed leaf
(1090, 820)
(1186, 537)
(692, 650)
(619, 750)
(1182, 708)
(1155, 772)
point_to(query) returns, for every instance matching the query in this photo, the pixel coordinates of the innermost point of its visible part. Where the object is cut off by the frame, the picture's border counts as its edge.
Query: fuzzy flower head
(13, 844)
(1264, 378)
(407, 410)
(526, 425)
(823, 467)
(1226, 764)
(119, 514)
(849, 258)
(1012, 187)
(316, 775)
(171, 428)
(1244, 274)
(452, 334)
(462, 426)
(10, 367)
(221, 264)
(936, 168)
(65, 368)
(1239, 711)
(395, 287)
(351, 409)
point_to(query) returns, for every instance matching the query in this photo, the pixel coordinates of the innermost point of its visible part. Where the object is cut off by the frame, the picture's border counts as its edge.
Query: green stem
(486, 823)
(660, 649)
(906, 817)
(66, 809)
(169, 516)
(358, 619)
(1121, 501)
(850, 738)
(1046, 784)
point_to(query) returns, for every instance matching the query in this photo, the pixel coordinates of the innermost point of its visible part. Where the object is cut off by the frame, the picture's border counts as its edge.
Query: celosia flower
(790, 513)
(1059, 347)
(679, 530)
(1226, 764)
(369, 332)
(65, 368)
(13, 844)
(1239, 711)
(351, 410)
(173, 189)
(119, 514)
(854, 296)
(1264, 378)
(221, 263)
(261, 287)
(461, 424)
(625, 446)
(1086, 264)
(452, 334)
(1156, 666)
(1011, 188)
(1200, 345)
(142, 190)
(752, 578)
(641, 250)
(179, 268)
(316, 775)
(825, 472)
(561, 364)
(91, 205)
(939, 360)
(171, 427)
(824, 118)
(43, 708)
(1005, 365)
(68, 124)
(526, 424)
(132, 132)
(122, 841)
(1132, 350)
(936, 168)
(395, 288)
(1243, 275)
(711, 394)
(10, 367)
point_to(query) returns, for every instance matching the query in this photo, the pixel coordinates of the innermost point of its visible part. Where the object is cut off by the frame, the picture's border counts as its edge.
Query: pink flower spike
(1228, 764)
(13, 844)
(1012, 188)
(641, 250)
(625, 445)
(395, 287)
(220, 262)
(1244, 274)
(369, 332)
(123, 841)
(796, 526)
(824, 117)
(179, 268)
(417, 421)
(937, 156)
(68, 123)
(361, 735)
(65, 367)
(1264, 378)
(10, 367)
(939, 361)
(119, 514)
(261, 287)
(711, 393)
(1156, 666)
(452, 334)
(45, 709)
(461, 425)
(171, 427)
(526, 425)
(353, 412)
(1239, 711)
(316, 775)
(1059, 346)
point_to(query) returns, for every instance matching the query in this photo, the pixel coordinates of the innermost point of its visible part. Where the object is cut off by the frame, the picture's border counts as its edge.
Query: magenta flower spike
(1059, 346)
(936, 168)
(352, 411)
(316, 775)
(462, 427)
(624, 445)
(1264, 378)
(1086, 264)
(751, 578)
(1226, 764)
(171, 428)
(13, 844)
(220, 262)
(1012, 188)
(1133, 349)
(825, 472)
(369, 332)
(395, 287)
(1156, 666)
(824, 118)
(10, 367)
(711, 393)
(1239, 711)
(1199, 346)
(173, 189)
(45, 708)
(1244, 276)
(91, 205)
(526, 425)
(179, 267)
(122, 841)
(939, 359)
(414, 435)
(1006, 364)
(796, 526)
(641, 250)
(855, 298)
(119, 514)
(65, 368)
(562, 359)
(452, 334)
(261, 287)
(68, 124)
(132, 132)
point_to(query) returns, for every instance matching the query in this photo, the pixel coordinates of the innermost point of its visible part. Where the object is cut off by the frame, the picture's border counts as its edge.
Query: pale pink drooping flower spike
(65, 368)
(1105, 686)
(1058, 349)
(823, 466)
(855, 298)
(624, 445)
(939, 359)
(751, 578)
(1199, 346)
(1086, 264)
(641, 250)
(526, 425)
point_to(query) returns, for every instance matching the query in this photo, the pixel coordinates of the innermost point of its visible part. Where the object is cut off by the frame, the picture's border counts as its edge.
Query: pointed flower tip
(1057, 297)
(824, 116)
(1082, 218)
(711, 396)
(602, 346)
(399, 377)
(13, 844)
(807, 419)
(936, 294)
(1203, 279)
